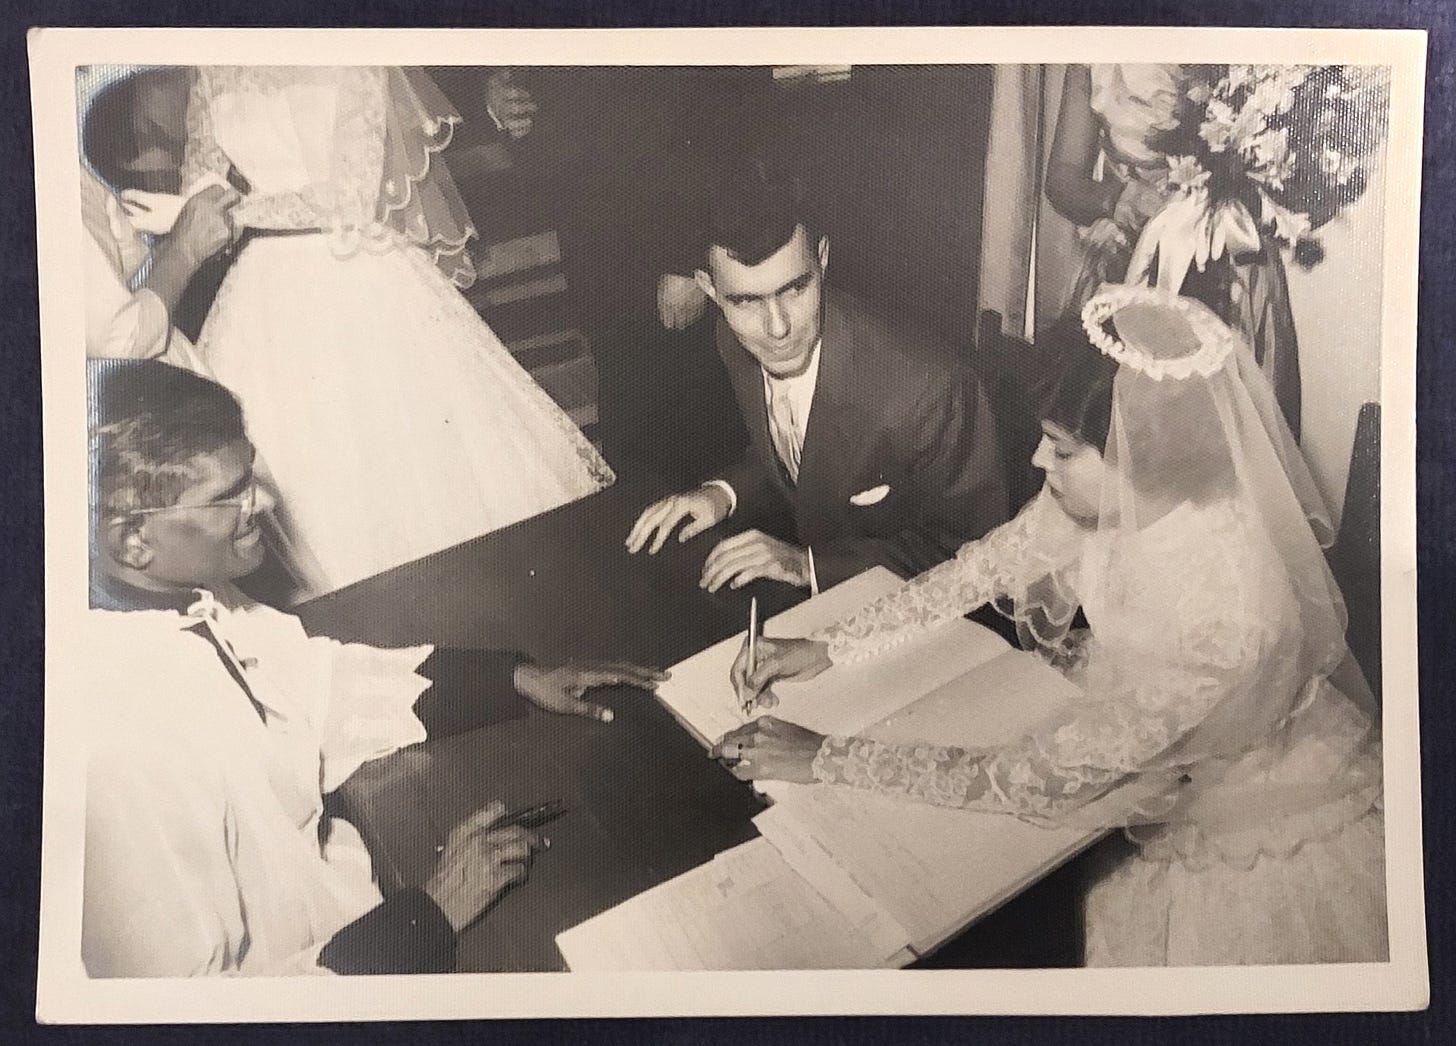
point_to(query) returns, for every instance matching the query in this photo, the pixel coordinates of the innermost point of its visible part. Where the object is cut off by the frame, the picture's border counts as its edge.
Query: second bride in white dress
(394, 421)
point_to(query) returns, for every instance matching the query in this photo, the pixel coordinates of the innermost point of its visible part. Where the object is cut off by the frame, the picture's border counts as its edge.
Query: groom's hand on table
(752, 555)
(561, 689)
(770, 749)
(700, 509)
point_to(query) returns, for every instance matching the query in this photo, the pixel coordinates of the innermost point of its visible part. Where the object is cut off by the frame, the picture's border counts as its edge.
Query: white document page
(933, 870)
(844, 699)
(744, 910)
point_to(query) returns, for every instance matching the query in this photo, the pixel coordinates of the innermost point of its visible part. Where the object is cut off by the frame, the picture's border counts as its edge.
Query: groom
(870, 443)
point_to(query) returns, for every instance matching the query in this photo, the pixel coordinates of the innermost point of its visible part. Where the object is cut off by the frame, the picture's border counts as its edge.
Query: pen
(527, 817)
(752, 643)
(534, 816)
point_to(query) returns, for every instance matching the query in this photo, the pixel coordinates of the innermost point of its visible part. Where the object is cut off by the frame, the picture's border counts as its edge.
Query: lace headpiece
(1157, 333)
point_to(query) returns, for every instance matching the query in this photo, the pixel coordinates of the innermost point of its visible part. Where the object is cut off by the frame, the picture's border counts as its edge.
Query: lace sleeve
(202, 155)
(980, 571)
(1118, 734)
(346, 200)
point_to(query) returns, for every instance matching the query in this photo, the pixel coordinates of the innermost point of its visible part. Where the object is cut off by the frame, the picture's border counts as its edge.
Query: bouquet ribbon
(1188, 231)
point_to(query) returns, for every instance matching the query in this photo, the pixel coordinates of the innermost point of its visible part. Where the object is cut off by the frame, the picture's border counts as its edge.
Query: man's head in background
(134, 132)
(175, 503)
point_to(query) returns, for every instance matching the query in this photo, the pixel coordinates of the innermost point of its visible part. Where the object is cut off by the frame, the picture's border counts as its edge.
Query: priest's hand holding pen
(485, 855)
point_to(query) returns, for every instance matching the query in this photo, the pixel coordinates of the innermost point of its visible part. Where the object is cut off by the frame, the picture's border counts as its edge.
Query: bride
(1178, 515)
(394, 421)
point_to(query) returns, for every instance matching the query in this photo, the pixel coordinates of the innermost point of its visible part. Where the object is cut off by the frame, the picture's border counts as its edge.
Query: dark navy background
(21, 569)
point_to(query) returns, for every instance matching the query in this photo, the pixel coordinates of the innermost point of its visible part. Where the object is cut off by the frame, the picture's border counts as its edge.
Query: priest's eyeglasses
(245, 503)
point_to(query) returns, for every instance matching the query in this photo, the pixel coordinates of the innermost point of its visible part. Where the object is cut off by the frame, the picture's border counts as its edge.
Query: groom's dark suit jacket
(893, 407)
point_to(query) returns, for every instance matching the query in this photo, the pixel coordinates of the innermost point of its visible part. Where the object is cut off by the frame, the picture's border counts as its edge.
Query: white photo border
(66, 995)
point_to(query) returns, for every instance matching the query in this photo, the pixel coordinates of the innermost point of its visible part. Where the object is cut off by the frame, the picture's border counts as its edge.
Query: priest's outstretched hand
(561, 689)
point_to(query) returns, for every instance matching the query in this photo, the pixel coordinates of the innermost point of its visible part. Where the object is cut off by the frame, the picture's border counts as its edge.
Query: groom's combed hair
(1078, 398)
(754, 206)
(150, 423)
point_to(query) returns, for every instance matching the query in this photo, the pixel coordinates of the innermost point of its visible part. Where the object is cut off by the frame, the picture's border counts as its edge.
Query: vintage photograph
(622, 516)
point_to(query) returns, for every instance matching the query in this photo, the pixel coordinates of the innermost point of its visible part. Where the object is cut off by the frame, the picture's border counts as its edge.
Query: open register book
(843, 878)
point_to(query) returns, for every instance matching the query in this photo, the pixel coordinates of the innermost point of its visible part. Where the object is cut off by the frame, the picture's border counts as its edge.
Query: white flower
(1200, 92)
(1272, 97)
(1238, 75)
(1289, 226)
(1186, 173)
(1249, 123)
(1272, 162)
(1330, 160)
(1217, 128)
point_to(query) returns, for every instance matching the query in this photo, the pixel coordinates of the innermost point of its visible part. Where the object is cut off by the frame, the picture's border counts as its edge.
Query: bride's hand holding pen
(790, 660)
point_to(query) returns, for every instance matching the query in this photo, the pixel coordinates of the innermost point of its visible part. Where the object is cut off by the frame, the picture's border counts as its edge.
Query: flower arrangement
(1273, 150)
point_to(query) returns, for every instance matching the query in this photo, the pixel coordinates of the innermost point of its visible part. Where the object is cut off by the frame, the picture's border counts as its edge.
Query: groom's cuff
(727, 488)
(813, 577)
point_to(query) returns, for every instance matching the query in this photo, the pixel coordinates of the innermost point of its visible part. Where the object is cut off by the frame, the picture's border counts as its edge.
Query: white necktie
(783, 428)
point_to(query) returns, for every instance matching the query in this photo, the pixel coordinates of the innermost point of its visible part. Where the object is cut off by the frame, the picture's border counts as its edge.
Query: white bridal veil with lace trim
(1216, 623)
(1195, 426)
(354, 154)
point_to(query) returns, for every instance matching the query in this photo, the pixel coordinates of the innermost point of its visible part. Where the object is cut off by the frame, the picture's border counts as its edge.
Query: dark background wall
(894, 157)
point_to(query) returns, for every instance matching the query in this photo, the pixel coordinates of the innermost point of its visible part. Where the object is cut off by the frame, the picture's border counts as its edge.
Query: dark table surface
(645, 802)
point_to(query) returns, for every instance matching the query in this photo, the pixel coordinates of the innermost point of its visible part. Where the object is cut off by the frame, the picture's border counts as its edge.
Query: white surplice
(203, 805)
(122, 322)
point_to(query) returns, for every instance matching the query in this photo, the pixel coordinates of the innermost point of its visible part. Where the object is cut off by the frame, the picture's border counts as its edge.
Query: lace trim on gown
(351, 201)
(1140, 712)
(1039, 545)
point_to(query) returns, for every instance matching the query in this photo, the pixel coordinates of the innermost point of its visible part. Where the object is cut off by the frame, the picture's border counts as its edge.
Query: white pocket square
(873, 496)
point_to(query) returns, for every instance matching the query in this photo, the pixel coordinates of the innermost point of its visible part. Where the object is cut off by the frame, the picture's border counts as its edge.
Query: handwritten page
(933, 870)
(844, 699)
(744, 910)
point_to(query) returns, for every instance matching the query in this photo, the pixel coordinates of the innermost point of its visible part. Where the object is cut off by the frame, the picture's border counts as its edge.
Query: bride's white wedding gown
(394, 422)
(1283, 859)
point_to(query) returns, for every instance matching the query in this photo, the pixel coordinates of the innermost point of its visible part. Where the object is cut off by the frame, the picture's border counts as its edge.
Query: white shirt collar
(799, 388)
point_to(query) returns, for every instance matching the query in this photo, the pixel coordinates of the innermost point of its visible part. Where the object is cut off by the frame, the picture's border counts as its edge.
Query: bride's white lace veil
(399, 110)
(1195, 439)
(418, 199)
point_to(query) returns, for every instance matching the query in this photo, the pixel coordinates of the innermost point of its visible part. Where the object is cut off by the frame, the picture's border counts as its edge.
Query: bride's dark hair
(1078, 395)
(1172, 455)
